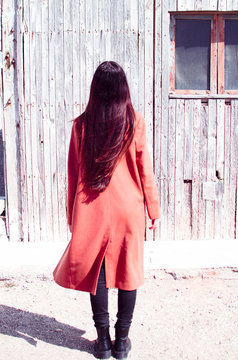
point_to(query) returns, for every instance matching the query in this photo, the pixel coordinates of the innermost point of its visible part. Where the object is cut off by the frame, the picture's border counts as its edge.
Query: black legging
(99, 303)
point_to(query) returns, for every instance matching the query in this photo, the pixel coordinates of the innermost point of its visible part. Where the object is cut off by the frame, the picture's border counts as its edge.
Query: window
(204, 54)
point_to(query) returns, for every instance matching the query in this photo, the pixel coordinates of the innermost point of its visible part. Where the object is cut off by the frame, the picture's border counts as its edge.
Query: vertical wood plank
(165, 20)
(141, 56)
(234, 5)
(149, 73)
(234, 163)
(69, 33)
(33, 121)
(48, 231)
(229, 5)
(11, 121)
(20, 93)
(52, 123)
(89, 46)
(27, 121)
(206, 5)
(134, 30)
(179, 161)
(213, 5)
(211, 163)
(60, 180)
(109, 45)
(228, 233)
(157, 95)
(68, 71)
(220, 138)
(203, 169)
(221, 5)
(171, 168)
(196, 182)
(188, 138)
(186, 5)
(76, 60)
(38, 140)
(198, 5)
(172, 4)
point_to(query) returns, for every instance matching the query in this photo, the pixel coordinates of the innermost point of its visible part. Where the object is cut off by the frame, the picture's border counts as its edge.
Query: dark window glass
(231, 54)
(192, 54)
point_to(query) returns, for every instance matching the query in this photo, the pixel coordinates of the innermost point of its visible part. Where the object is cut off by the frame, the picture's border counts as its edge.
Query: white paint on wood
(191, 142)
(186, 5)
(213, 5)
(221, 5)
(234, 4)
(11, 121)
(165, 20)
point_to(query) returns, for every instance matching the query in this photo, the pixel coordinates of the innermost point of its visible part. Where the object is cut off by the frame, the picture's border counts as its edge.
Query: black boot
(103, 344)
(122, 344)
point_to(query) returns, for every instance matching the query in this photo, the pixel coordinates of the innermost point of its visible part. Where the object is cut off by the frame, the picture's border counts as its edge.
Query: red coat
(111, 225)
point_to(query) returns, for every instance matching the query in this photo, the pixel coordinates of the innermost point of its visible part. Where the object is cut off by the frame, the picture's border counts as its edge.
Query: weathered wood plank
(109, 45)
(213, 5)
(171, 168)
(148, 68)
(76, 61)
(234, 5)
(229, 5)
(11, 120)
(134, 29)
(234, 162)
(211, 163)
(186, 5)
(52, 121)
(141, 57)
(165, 20)
(206, 5)
(172, 4)
(83, 86)
(157, 94)
(227, 226)
(198, 5)
(27, 122)
(149, 73)
(188, 140)
(60, 180)
(221, 5)
(196, 179)
(203, 169)
(46, 91)
(179, 162)
(39, 140)
(22, 149)
(220, 139)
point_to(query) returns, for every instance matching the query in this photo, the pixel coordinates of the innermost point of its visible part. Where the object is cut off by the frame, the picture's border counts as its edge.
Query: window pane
(231, 54)
(192, 54)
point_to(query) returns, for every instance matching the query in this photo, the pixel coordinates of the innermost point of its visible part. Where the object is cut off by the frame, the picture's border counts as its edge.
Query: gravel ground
(190, 315)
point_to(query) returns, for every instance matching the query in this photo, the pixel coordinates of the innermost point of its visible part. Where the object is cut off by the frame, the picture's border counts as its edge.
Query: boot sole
(120, 355)
(103, 354)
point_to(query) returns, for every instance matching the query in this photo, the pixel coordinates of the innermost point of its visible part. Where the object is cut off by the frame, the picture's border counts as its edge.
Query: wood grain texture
(192, 138)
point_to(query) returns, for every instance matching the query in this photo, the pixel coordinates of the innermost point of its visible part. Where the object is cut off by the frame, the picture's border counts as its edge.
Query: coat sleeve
(73, 171)
(145, 169)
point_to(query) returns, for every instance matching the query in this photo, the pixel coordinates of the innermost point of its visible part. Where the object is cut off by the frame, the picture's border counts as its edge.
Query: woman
(110, 177)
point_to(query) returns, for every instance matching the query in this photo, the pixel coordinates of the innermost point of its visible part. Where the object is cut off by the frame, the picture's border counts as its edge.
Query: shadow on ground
(32, 327)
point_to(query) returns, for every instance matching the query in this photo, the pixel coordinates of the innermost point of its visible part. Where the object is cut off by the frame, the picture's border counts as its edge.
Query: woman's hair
(107, 125)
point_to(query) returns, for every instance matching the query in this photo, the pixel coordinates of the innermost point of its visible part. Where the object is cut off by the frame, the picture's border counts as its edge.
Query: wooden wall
(57, 47)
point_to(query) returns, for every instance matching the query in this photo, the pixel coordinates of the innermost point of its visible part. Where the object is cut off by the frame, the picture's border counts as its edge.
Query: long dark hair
(107, 125)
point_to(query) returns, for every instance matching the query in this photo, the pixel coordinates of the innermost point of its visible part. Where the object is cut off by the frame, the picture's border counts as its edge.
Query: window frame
(217, 53)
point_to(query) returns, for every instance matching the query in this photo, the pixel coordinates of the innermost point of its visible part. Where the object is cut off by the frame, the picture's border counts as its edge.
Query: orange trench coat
(111, 225)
